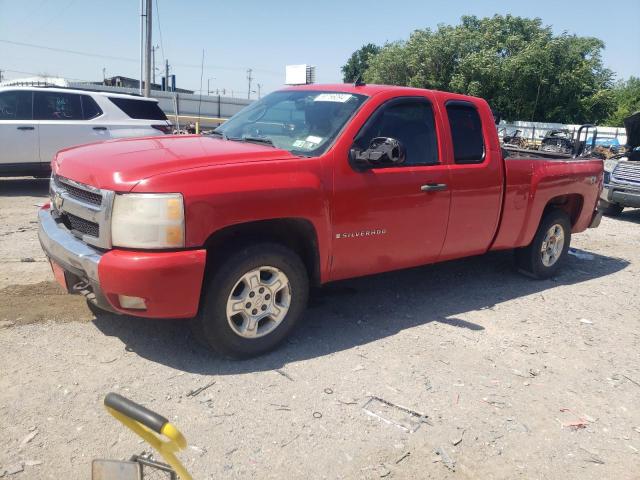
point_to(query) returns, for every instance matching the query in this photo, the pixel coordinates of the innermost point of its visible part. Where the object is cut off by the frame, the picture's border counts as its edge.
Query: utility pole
(147, 58)
(208, 85)
(0, 75)
(249, 78)
(104, 75)
(259, 88)
(166, 75)
(141, 45)
(153, 62)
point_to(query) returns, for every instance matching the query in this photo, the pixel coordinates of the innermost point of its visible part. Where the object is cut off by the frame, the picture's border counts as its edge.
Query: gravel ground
(460, 370)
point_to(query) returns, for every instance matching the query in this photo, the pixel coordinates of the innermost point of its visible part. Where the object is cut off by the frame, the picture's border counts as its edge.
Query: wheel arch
(570, 203)
(298, 234)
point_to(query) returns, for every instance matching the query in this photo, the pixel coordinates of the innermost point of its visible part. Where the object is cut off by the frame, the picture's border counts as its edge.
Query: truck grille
(627, 172)
(82, 226)
(77, 192)
(82, 209)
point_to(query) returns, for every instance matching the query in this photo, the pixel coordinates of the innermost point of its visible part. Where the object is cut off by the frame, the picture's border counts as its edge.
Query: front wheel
(252, 301)
(547, 251)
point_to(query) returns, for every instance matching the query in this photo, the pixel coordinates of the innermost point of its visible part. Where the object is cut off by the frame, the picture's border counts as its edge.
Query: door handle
(99, 128)
(25, 128)
(433, 187)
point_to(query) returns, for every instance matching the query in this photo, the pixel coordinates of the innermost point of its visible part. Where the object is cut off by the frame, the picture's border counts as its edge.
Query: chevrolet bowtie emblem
(57, 201)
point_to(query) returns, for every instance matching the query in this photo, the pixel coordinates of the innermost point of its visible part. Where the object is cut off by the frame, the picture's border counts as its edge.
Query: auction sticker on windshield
(310, 143)
(333, 97)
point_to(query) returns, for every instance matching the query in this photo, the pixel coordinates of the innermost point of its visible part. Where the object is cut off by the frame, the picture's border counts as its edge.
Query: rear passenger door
(65, 120)
(476, 176)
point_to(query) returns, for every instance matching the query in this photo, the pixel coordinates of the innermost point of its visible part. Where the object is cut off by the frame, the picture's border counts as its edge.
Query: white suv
(37, 122)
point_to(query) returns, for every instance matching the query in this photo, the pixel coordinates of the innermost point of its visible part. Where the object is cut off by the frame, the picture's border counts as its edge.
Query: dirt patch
(41, 302)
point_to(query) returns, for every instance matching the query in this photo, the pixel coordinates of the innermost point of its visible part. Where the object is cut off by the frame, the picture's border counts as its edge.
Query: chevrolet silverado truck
(306, 186)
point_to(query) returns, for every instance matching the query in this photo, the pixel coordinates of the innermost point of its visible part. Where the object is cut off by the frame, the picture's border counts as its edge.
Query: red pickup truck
(309, 185)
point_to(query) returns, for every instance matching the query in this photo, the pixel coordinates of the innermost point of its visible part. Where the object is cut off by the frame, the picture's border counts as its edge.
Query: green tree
(627, 98)
(517, 64)
(359, 62)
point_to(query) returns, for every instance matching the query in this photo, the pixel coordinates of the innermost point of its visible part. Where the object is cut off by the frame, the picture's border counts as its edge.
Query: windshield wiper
(265, 140)
(221, 134)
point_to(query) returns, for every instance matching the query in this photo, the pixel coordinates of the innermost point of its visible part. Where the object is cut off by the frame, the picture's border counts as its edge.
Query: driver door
(386, 218)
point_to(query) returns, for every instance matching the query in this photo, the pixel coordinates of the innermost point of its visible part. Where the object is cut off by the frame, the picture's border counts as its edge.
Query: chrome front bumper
(79, 260)
(624, 195)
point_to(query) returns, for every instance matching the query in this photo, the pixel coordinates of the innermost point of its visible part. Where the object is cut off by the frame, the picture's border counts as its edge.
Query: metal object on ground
(157, 431)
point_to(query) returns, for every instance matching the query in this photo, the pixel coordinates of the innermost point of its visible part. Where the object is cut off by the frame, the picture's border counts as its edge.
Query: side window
(139, 109)
(90, 108)
(16, 105)
(466, 133)
(57, 106)
(411, 122)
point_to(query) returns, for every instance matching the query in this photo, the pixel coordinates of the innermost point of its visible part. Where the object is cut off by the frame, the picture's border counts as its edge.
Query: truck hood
(632, 126)
(120, 164)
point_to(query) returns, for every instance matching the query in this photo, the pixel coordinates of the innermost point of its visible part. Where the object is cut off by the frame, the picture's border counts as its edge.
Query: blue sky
(267, 35)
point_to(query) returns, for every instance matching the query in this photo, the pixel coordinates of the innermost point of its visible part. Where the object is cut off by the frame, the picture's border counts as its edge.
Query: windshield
(304, 122)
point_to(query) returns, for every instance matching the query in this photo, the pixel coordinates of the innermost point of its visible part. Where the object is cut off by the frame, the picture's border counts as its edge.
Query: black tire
(612, 209)
(529, 259)
(212, 327)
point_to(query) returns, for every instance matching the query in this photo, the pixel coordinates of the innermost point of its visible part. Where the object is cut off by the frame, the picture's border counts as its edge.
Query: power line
(45, 74)
(160, 31)
(64, 50)
(127, 59)
(31, 13)
(57, 14)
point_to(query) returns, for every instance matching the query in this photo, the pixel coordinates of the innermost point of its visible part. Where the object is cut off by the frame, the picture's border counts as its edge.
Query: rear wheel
(252, 300)
(545, 254)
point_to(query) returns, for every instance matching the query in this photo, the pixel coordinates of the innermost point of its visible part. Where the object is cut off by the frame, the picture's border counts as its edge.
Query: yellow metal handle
(166, 444)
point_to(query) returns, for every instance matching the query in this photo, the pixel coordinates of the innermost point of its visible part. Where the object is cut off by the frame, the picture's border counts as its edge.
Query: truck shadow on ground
(359, 311)
(630, 215)
(20, 187)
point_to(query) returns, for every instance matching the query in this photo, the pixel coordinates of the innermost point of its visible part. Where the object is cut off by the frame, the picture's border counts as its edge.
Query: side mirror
(382, 152)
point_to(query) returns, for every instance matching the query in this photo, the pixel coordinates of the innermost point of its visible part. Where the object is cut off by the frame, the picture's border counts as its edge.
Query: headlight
(148, 220)
(610, 165)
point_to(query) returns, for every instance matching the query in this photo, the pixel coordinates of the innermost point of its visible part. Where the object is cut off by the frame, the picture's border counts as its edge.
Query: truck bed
(532, 182)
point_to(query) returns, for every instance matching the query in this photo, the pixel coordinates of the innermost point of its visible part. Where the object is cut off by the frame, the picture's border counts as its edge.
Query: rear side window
(16, 105)
(466, 132)
(90, 108)
(139, 109)
(57, 106)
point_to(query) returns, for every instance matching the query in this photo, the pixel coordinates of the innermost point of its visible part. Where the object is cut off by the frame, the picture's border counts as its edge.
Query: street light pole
(249, 79)
(153, 63)
(147, 58)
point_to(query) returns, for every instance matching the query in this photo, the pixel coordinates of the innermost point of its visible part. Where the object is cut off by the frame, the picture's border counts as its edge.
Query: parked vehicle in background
(37, 122)
(308, 185)
(622, 173)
